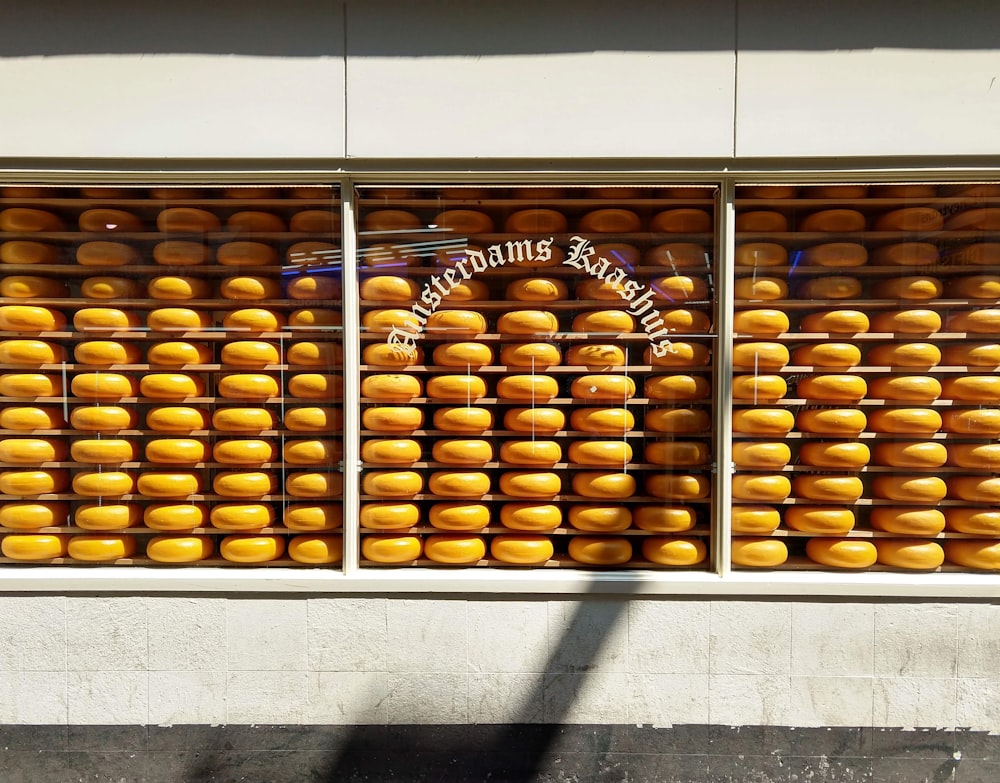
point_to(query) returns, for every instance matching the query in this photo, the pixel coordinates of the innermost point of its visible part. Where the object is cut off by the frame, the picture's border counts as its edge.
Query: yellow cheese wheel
(909, 287)
(392, 483)
(832, 421)
(534, 420)
(30, 385)
(680, 288)
(534, 355)
(609, 453)
(672, 453)
(459, 516)
(385, 419)
(459, 483)
(975, 421)
(178, 353)
(987, 218)
(595, 356)
(842, 552)
(975, 489)
(174, 386)
(179, 288)
(245, 419)
(674, 551)
(316, 516)
(457, 322)
(827, 355)
(761, 220)
(252, 549)
(157, 484)
(530, 484)
(836, 254)
(175, 451)
(909, 553)
(104, 386)
(758, 552)
(755, 519)
(249, 451)
(600, 550)
(833, 489)
(677, 486)
(313, 287)
(766, 288)
(536, 221)
(181, 253)
(318, 354)
(249, 288)
(107, 516)
(391, 549)
(759, 388)
(679, 354)
(601, 290)
(525, 549)
(611, 221)
(312, 452)
(907, 521)
(253, 220)
(665, 519)
(905, 354)
(910, 219)
(316, 386)
(109, 220)
(27, 318)
(241, 516)
(391, 220)
(187, 220)
(315, 419)
(315, 484)
(102, 418)
(463, 387)
(972, 388)
(679, 320)
(248, 386)
(525, 322)
(389, 288)
(537, 289)
(760, 421)
(24, 252)
(833, 220)
(101, 548)
(600, 518)
(760, 355)
(376, 354)
(977, 521)
(981, 254)
(760, 322)
(819, 519)
(90, 483)
(246, 254)
(761, 254)
(176, 418)
(911, 454)
(913, 321)
(391, 387)
(24, 219)
(173, 319)
(913, 489)
(676, 221)
(465, 419)
(980, 456)
(531, 516)
(314, 318)
(462, 451)
(32, 516)
(832, 454)
(909, 388)
(175, 516)
(106, 352)
(102, 450)
(831, 287)
(540, 388)
(33, 546)
(316, 550)
(972, 354)
(600, 322)
(603, 421)
(27, 353)
(387, 516)
(30, 417)
(750, 454)
(242, 484)
(982, 555)
(29, 286)
(907, 421)
(836, 322)
(96, 318)
(847, 388)
(179, 549)
(464, 220)
(761, 487)
(455, 549)
(249, 353)
(465, 354)
(253, 319)
(602, 387)
(678, 387)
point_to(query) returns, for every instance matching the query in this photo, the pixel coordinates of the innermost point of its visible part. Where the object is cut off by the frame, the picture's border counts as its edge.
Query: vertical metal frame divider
(352, 380)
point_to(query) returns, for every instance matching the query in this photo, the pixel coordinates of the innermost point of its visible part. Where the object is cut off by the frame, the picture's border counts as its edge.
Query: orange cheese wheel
(679, 288)
(975, 489)
(179, 288)
(93, 318)
(832, 489)
(249, 353)
(249, 288)
(253, 220)
(905, 354)
(908, 421)
(665, 519)
(104, 386)
(179, 549)
(175, 451)
(466, 419)
(831, 287)
(312, 419)
(602, 387)
(679, 320)
(465, 220)
(980, 456)
(32, 385)
(109, 220)
(391, 387)
(836, 254)
(249, 451)
(760, 355)
(600, 518)
(525, 549)
(765, 288)
(909, 553)
(674, 551)
(819, 519)
(101, 548)
(110, 288)
(389, 318)
(759, 388)
(392, 483)
(181, 253)
(678, 387)
(187, 220)
(679, 354)
(750, 454)
(316, 550)
(825, 454)
(602, 290)
(253, 319)
(537, 289)
(827, 355)
(761, 220)
(457, 322)
(102, 451)
(33, 546)
(909, 287)
(102, 483)
(459, 484)
(910, 219)
(609, 453)
(157, 484)
(605, 221)
(761, 487)
(456, 387)
(534, 420)
(30, 417)
(536, 221)
(107, 516)
(26, 318)
(972, 388)
(243, 419)
(315, 484)
(760, 421)
(173, 319)
(676, 221)
(534, 355)
(174, 516)
(987, 218)
(768, 191)
(27, 353)
(463, 355)
(761, 254)
(755, 519)
(982, 555)
(32, 516)
(595, 356)
(903, 191)
(676, 486)
(975, 287)
(833, 220)
(841, 552)
(242, 484)
(176, 418)
(390, 451)
(252, 549)
(454, 549)
(832, 421)
(23, 252)
(600, 550)
(526, 322)
(173, 386)
(102, 418)
(29, 286)
(914, 489)
(907, 521)
(241, 516)
(530, 452)
(376, 354)
(313, 287)
(977, 521)
(530, 484)
(389, 288)
(980, 253)
(531, 516)
(375, 516)
(316, 386)
(974, 421)
(758, 552)
(462, 451)
(29, 220)
(459, 516)
(836, 322)
(909, 388)
(602, 322)
(246, 254)
(911, 454)
(760, 322)
(603, 421)
(915, 321)
(391, 549)
(106, 352)
(178, 353)
(846, 388)
(674, 453)
(973, 354)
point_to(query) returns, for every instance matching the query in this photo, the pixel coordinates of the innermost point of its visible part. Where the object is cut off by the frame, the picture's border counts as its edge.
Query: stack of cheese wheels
(500, 400)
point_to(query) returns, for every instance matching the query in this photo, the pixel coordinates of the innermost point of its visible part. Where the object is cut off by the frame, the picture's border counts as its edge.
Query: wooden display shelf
(539, 435)
(500, 237)
(145, 333)
(946, 469)
(874, 204)
(865, 336)
(133, 497)
(172, 369)
(495, 337)
(538, 403)
(216, 236)
(172, 467)
(195, 531)
(861, 304)
(556, 562)
(173, 401)
(891, 437)
(868, 402)
(939, 369)
(559, 369)
(505, 305)
(489, 497)
(861, 533)
(630, 466)
(804, 564)
(699, 531)
(704, 271)
(507, 204)
(155, 205)
(281, 562)
(75, 303)
(92, 434)
(795, 501)
(868, 237)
